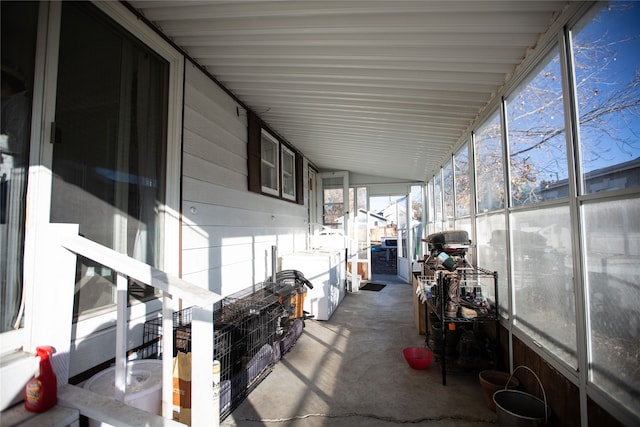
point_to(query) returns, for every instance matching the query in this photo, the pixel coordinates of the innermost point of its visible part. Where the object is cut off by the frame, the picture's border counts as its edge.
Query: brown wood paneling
(563, 397)
(599, 417)
(362, 270)
(299, 179)
(254, 152)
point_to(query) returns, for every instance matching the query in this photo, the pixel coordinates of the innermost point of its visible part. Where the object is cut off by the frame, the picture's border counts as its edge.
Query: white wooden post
(122, 326)
(202, 412)
(353, 245)
(216, 391)
(167, 356)
(54, 302)
(274, 263)
(174, 289)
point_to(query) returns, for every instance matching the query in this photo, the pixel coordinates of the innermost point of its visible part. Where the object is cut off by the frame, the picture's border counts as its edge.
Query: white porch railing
(205, 411)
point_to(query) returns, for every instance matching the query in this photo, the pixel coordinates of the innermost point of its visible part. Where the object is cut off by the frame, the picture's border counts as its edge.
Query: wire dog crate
(241, 328)
(252, 329)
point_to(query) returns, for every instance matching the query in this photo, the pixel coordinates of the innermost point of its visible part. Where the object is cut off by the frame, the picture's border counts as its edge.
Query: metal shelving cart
(456, 291)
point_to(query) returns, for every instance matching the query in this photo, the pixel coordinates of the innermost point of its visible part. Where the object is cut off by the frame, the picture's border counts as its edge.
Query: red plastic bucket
(418, 357)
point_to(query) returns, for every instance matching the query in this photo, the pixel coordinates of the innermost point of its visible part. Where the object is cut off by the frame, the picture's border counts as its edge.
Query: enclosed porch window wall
(554, 170)
(417, 212)
(541, 250)
(463, 193)
(448, 197)
(437, 202)
(462, 184)
(430, 207)
(606, 58)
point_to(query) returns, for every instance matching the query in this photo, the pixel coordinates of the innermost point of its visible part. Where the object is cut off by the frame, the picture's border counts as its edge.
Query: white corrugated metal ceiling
(383, 88)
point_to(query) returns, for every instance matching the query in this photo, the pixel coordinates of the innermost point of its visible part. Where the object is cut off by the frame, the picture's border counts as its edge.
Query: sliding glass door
(109, 146)
(19, 29)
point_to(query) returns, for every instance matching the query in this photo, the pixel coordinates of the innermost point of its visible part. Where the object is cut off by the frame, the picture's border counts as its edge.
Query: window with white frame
(537, 138)
(491, 231)
(461, 176)
(288, 174)
(564, 150)
(462, 187)
(357, 199)
(606, 57)
(538, 172)
(489, 165)
(542, 279)
(274, 167)
(269, 148)
(430, 207)
(437, 201)
(606, 53)
(491, 247)
(448, 194)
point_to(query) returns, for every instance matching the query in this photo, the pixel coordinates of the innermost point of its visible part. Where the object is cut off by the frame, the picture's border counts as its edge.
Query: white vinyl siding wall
(227, 231)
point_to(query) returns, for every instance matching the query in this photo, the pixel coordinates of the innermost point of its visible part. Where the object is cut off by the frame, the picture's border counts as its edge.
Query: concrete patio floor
(350, 371)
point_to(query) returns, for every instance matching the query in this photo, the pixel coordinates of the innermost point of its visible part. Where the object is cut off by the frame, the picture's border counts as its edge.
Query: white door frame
(344, 175)
(40, 175)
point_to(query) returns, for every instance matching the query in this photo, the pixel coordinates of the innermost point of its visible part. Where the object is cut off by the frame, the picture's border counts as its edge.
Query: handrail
(138, 270)
(205, 410)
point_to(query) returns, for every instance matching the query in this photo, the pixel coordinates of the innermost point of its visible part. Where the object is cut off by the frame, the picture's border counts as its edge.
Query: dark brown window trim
(254, 160)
